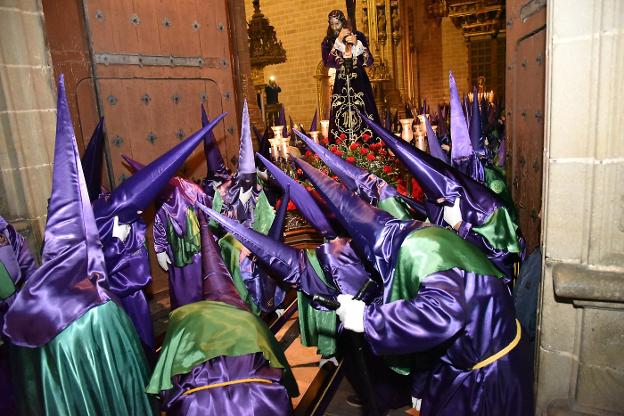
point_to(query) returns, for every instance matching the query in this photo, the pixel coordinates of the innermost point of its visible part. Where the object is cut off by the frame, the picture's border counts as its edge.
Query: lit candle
(314, 135)
(325, 128)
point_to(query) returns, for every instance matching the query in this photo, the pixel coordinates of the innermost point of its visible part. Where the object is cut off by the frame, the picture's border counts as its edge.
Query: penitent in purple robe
(465, 318)
(186, 393)
(172, 222)
(127, 263)
(441, 296)
(252, 399)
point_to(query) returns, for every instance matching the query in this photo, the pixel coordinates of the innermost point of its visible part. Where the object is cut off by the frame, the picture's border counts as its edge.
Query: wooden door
(524, 103)
(153, 63)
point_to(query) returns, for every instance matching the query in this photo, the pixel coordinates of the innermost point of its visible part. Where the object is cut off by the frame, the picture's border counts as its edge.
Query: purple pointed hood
(138, 191)
(475, 124)
(367, 185)
(502, 152)
(276, 232)
(434, 145)
(217, 281)
(281, 259)
(246, 163)
(459, 129)
(92, 161)
(282, 121)
(442, 130)
(68, 283)
(215, 166)
(263, 141)
(462, 154)
(302, 199)
(375, 234)
(314, 125)
(439, 180)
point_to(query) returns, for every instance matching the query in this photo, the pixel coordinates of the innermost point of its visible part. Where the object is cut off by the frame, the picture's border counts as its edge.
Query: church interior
(256, 171)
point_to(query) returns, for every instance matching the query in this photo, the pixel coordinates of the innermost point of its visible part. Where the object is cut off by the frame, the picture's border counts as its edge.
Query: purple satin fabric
(464, 318)
(263, 289)
(185, 283)
(503, 260)
(470, 166)
(340, 262)
(233, 207)
(253, 399)
(128, 268)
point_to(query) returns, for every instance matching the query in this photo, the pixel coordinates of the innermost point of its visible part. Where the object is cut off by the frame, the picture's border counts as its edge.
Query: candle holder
(315, 136)
(407, 133)
(325, 129)
(276, 141)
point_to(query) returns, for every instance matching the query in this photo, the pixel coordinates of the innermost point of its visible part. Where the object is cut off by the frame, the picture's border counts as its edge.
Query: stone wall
(441, 48)
(581, 318)
(27, 118)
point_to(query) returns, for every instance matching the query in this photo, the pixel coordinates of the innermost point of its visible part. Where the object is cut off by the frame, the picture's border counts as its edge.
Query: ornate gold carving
(264, 47)
(477, 17)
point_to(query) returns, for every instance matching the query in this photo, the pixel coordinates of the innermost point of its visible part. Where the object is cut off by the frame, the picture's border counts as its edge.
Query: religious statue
(352, 95)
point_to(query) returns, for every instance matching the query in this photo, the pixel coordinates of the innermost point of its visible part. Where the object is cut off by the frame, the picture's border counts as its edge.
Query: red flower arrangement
(372, 156)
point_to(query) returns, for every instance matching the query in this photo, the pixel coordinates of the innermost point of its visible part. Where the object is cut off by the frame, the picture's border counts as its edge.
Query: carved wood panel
(155, 62)
(524, 103)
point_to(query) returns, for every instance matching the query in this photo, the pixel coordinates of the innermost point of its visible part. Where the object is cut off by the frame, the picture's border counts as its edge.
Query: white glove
(163, 260)
(120, 230)
(416, 403)
(279, 312)
(452, 215)
(351, 313)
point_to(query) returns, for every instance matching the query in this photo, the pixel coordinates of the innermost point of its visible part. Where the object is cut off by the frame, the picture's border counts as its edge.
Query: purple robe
(350, 98)
(254, 399)
(463, 318)
(185, 283)
(128, 269)
(127, 265)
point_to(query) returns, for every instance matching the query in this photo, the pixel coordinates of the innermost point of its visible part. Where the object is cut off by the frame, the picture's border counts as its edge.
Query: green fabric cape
(186, 246)
(7, 287)
(394, 207)
(230, 251)
(95, 366)
(200, 331)
(317, 328)
(500, 231)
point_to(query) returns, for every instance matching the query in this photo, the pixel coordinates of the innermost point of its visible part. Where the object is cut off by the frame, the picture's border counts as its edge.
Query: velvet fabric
(254, 399)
